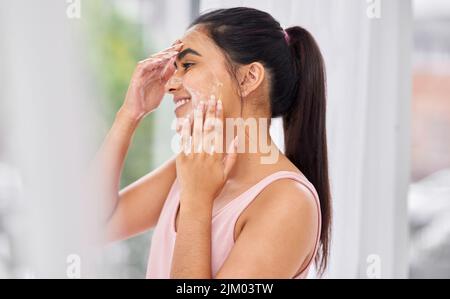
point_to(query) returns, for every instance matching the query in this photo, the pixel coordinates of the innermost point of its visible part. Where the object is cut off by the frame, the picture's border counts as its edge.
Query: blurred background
(429, 192)
(65, 70)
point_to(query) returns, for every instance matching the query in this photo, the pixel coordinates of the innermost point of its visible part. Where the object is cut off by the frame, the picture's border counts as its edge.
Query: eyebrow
(186, 52)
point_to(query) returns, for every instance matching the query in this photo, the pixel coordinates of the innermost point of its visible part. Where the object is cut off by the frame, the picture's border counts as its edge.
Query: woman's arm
(201, 161)
(192, 252)
(139, 204)
(110, 159)
(125, 213)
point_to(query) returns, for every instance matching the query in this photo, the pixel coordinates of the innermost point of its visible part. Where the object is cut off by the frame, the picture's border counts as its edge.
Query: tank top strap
(248, 196)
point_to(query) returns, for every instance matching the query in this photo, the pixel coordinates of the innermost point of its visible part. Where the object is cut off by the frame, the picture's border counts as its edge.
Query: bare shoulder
(288, 205)
(279, 229)
(288, 198)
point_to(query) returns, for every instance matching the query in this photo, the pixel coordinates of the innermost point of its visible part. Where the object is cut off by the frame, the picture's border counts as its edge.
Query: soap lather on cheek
(205, 91)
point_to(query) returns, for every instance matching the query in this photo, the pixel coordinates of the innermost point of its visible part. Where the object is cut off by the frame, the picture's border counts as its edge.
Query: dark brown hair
(297, 90)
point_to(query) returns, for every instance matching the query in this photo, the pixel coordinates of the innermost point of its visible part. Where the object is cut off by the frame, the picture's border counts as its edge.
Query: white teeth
(181, 103)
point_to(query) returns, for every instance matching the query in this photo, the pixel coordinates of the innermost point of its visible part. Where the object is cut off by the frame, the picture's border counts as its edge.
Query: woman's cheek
(193, 88)
(202, 85)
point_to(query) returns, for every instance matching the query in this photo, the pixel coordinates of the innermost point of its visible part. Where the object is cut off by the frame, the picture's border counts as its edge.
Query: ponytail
(305, 127)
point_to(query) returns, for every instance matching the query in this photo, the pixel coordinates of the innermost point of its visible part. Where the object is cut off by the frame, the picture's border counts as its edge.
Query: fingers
(166, 54)
(206, 126)
(168, 70)
(208, 129)
(160, 58)
(197, 133)
(231, 157)
(178, 41)
(162, 61)
(218, 128)
(151, 67)
(210, 114)
(207, 136)
(177, 45)
(186, 136)
(174, 49)
(152, 71)
(219, 110)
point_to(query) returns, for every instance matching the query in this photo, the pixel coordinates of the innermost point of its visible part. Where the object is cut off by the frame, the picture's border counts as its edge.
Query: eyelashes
(185, 65)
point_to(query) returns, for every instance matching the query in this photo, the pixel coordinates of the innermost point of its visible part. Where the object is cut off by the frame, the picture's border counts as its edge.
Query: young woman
(227, 215)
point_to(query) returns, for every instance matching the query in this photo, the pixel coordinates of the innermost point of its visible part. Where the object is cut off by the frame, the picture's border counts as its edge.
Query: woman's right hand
(147, 86)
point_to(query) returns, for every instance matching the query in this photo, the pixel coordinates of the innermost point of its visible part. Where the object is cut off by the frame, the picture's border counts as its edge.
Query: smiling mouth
(182, 102)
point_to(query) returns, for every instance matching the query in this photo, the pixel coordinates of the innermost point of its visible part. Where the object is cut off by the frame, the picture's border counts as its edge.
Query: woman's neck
(256, 151)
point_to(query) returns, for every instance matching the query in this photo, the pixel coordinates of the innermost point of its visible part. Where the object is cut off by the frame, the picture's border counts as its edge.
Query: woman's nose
(174, 84)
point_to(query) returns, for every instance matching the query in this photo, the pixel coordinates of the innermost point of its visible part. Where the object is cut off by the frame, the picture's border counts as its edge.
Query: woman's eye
(186, 65)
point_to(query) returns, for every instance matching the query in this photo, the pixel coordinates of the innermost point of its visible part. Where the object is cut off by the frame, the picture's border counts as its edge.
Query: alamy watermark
(73, 269)
(373, 269)
(252, 135)
(373, 10)
(73, 10)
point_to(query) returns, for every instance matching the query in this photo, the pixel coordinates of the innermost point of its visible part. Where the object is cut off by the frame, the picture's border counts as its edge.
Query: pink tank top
(222, 230)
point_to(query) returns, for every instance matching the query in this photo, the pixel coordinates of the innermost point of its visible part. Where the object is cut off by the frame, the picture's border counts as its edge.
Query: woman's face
(201, 72)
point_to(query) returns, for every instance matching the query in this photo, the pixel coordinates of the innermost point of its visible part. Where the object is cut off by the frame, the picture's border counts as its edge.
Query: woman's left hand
(202, 166)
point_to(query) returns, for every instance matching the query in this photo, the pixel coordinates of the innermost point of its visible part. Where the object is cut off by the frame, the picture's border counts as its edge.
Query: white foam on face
(203, 93)
(214, 91)
(209, 90)
(212, 88)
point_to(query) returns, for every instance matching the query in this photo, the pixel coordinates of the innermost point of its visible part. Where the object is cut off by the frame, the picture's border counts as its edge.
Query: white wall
(48, 131)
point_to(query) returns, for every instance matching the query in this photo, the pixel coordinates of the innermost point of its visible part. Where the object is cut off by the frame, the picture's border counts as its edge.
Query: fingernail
(172, 60)
(172, 47)
(199, 108)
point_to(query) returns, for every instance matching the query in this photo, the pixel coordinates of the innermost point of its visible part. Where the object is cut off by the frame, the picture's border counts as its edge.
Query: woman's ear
(251, 77)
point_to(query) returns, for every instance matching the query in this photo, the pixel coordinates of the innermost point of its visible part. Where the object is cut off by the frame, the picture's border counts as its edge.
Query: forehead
(197, 39)
(213, 57)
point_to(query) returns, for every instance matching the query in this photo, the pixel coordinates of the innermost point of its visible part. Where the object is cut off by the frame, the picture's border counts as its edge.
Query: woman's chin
(183, 111)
